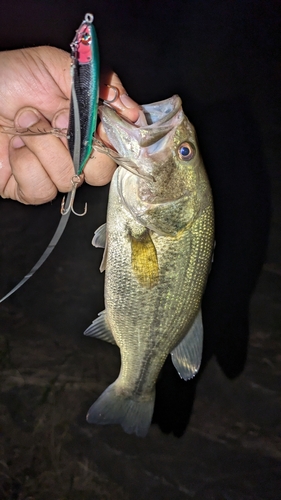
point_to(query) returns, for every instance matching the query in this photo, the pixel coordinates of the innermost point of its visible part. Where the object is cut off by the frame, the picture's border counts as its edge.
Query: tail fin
(113, 407)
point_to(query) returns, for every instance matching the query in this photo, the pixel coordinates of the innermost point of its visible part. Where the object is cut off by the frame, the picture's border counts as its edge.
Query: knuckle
(36, 196)
(99, 171)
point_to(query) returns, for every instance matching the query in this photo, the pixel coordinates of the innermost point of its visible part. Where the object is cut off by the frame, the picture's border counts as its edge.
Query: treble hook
(71, 196)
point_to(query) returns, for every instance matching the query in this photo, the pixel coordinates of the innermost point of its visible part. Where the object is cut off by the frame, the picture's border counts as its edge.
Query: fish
(158, 244)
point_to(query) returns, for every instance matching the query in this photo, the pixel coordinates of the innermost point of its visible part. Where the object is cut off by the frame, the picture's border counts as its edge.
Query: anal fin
(186, 357)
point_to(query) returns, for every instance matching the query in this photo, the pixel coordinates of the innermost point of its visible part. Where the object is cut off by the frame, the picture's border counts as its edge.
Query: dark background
(221, 57)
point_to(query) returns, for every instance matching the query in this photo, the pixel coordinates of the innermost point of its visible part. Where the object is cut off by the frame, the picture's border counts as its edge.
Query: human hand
(35, 89)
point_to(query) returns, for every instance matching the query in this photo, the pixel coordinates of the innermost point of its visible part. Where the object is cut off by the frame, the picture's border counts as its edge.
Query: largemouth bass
(158, 242)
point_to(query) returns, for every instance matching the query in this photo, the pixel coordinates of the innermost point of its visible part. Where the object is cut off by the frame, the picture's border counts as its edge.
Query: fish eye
(186, 151)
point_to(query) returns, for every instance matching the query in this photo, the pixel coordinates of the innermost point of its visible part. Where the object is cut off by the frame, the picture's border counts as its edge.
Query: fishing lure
(82, 124)
(84, 101)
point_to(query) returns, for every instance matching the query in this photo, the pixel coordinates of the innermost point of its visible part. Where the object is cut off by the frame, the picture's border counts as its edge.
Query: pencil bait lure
(85, 88)
(84, 102)
(82, 123)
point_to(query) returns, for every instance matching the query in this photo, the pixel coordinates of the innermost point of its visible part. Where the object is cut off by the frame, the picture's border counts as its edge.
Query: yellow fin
(144, 260)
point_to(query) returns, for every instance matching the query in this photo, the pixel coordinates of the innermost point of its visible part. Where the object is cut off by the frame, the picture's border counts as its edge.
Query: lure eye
(86, 39)
(185, 151)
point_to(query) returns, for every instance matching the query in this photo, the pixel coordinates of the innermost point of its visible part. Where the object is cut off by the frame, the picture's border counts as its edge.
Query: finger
(100, 168)
(53, 156)
(123, 104)
(5, 167)
(29, 182)
(108, 77)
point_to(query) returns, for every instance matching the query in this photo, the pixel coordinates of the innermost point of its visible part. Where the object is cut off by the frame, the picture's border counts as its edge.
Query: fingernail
(113, 93)
(141, 121)
(61, 120)
(27, 119)
(17, 142)
(127, 101)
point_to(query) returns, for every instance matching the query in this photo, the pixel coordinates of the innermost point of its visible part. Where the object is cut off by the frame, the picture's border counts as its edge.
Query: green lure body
(85, 84)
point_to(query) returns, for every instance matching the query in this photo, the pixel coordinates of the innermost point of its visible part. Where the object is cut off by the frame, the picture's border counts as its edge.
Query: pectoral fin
(99, 238)
(104, 257)
(186, 357)
(100, 329)
(144, 259)
(100, 241)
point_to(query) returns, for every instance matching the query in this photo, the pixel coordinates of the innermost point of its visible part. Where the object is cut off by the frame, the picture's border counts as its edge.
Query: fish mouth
(149, 135)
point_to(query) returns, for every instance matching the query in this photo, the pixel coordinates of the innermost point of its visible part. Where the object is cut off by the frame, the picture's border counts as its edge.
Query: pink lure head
(81, 45)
